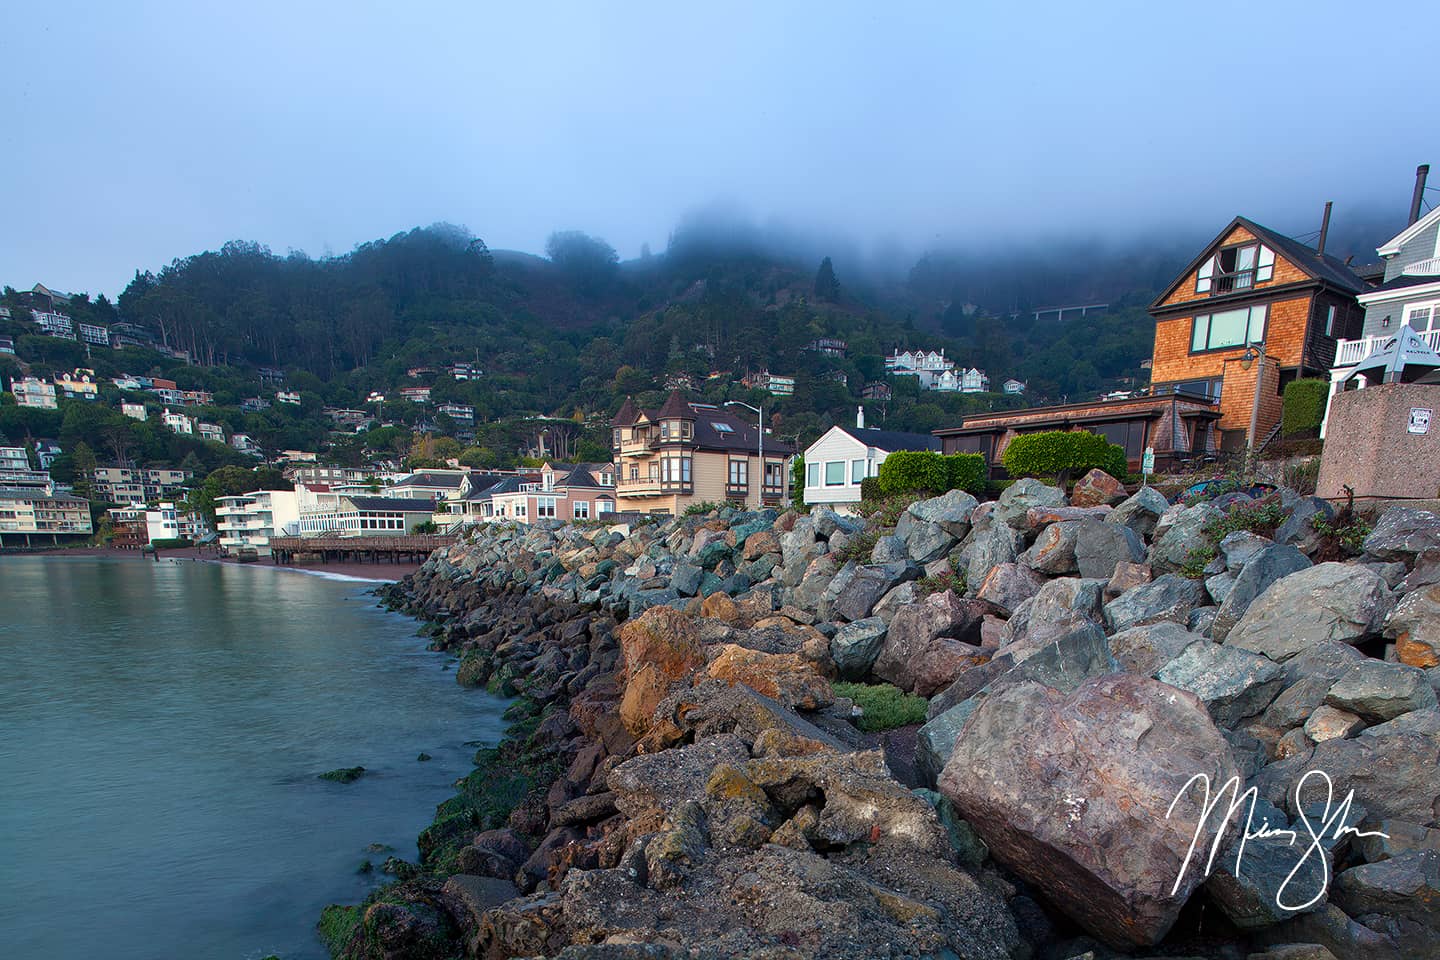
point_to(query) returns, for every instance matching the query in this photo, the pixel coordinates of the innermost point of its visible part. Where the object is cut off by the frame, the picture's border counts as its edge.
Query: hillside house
(197, 398)
(686, 453)
(771, 383)
(28, 515)
(135, 411)
(80, 385)
(415, 394)
(211, 431)
(7, 345)
(93, 334)
(287, 396)
(829, 346)
(1012, 387)
(844, 456)
(54, 324)
(245, 444)
(879, 390)
(462, 413)
(32, 392)
(254, 404)
(177, 422)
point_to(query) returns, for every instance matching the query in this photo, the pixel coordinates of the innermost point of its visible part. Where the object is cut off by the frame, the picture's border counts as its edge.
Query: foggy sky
(138, 133)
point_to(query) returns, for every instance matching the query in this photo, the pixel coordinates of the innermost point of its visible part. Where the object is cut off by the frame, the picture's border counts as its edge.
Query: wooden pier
(404, 548)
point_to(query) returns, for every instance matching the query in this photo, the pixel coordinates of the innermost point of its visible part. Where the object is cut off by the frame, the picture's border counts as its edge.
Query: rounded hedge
(1063, 453)
(912, 471)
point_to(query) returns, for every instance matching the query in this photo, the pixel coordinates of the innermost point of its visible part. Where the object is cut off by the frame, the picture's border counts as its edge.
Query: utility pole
(759, 412)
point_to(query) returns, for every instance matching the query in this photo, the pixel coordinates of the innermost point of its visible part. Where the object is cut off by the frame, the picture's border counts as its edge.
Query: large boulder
(1403, 533)
(1181, 533)
(1054, 549)
(1075, 792)
(1232, 683)
(785, 677)
(1145, 650)
(856, 595)
(1298, 529)
(1141, 511)
(1101, 547)
(1380, 691)
(1392, 775)
(924, 541)
(1406, 886)
(1058, 607)
(1015, 501)
(1414, 626)
(1097, 488)
(990, 545)
(1067, 661)
(658, 649)
(1010, 584)
(1329, 601)
(950, 511)
(856, 645)
(1258, 572)
(930, 642)
(1165, 598)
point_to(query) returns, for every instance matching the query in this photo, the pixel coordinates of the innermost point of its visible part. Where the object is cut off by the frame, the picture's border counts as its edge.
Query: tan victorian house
(685, 453)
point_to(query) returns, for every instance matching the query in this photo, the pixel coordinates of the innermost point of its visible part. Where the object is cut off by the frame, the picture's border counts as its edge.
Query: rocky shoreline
(682, 779)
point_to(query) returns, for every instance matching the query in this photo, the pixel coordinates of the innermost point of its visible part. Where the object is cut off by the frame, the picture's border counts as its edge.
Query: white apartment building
(135, 411)
(26, 513)
(252, 519)
(178, 422)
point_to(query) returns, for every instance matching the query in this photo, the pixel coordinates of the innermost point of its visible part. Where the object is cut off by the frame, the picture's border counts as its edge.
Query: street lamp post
(760, 413)
(1252, 353)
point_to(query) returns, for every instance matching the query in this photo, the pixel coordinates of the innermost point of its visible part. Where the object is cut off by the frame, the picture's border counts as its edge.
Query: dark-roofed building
(351, 515)
(844, 456)
(686, 453)
(1251, 286)
(558, 491)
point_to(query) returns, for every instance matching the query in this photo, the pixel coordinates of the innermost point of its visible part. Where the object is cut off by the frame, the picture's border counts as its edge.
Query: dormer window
(1236, 268)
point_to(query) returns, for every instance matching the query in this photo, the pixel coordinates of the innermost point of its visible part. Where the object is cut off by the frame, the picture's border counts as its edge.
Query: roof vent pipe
(1422, 173)
(1324, 230)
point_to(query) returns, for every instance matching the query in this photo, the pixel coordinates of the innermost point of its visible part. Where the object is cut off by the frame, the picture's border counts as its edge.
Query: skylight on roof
(722, 427)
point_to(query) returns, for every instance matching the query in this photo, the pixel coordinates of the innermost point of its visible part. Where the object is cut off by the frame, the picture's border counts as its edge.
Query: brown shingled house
(688, 453)
(1249, 290)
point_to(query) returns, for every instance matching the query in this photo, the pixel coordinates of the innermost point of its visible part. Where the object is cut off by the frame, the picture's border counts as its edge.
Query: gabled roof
(1327, 269)
(891, 440)
(1393, 245)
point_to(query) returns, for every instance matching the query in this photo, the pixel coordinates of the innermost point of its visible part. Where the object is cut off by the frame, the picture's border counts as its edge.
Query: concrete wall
(1369, 448)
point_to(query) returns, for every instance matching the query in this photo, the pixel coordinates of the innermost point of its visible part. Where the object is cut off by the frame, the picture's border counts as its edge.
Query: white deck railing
(1350, 352)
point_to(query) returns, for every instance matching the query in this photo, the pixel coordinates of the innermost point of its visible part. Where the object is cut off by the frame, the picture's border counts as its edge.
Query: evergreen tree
(827, 288)
(83, 459)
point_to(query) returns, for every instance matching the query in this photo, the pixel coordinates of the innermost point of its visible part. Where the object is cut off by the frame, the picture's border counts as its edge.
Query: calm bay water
(161, 729)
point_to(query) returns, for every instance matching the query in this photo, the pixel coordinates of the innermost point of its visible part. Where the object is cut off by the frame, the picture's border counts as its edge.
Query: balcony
(1350, 352)
(652, 487)
(1240, 280)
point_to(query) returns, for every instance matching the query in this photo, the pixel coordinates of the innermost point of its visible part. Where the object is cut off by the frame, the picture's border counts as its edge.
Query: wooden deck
(405, 548)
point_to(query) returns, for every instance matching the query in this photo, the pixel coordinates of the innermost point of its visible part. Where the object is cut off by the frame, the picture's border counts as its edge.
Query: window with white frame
(604, 506)
(544, 507)
(835, 473)
(1235, 268)
(739, 473)
(1228, 329)
(582, 510)
(812, 474)
(1421, 317)
(522, 509)
(857, 471)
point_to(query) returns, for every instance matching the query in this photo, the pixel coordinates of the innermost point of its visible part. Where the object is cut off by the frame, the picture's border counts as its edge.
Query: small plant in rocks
(883, 706)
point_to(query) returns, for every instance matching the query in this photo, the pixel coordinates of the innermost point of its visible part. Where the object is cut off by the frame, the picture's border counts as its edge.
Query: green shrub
(797, 482)
(909, 471)
(966, 471)
(953, 581)
(704, 506)
(1304, 407)
(870, 489)
(178, 543)
(859, 547)
(1063, 454)
(884, 706)
(1301, 477)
